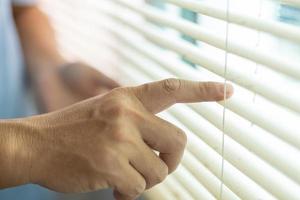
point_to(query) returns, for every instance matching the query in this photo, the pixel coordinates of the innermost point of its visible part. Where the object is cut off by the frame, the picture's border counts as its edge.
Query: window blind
(261, 151)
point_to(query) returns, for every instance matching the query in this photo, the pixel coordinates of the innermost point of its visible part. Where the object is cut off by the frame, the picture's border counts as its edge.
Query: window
(254, 44)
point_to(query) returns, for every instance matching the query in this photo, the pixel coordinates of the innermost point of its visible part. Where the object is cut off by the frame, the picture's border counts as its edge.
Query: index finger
(158, 96)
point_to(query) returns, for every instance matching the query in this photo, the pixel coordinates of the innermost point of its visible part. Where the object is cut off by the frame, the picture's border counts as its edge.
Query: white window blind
(259, 125)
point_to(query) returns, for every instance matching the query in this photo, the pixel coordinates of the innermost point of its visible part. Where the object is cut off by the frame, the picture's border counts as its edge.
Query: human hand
(108, 141)
(85, 81)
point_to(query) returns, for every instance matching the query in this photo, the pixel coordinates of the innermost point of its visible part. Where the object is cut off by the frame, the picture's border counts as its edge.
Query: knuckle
(161, 174)
(181, 139)
(210, 90)
(121, 135)
(204, 88)
(118, 108)
(121, 108)
(145, 88)
(121, 93)
(171, 85)
(136, 116)
(157, 175)
(137, 189)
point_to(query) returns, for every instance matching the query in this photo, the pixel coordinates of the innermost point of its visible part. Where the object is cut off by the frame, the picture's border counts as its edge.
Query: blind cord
(225, 98)
(258, 39)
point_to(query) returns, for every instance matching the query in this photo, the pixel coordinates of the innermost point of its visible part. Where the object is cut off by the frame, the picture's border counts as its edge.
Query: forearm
(42, 57)
(14, 153)
(37, 38)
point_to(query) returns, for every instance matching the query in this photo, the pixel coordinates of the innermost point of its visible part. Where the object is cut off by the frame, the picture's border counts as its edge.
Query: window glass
(191, 16)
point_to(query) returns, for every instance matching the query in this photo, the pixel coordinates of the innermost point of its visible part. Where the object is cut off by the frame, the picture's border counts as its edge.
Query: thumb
(160, 95)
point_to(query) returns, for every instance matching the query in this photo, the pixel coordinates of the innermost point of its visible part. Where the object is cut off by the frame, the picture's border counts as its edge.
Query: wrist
(16, 145)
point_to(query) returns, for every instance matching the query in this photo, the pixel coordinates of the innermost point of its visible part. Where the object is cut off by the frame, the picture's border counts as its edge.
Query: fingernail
(229, 90)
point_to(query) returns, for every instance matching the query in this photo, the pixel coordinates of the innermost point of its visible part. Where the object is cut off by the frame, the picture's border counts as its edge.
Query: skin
(106, 141)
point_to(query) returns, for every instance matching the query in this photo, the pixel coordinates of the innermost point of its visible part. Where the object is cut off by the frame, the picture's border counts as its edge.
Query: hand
(86, 81)
(108, 141)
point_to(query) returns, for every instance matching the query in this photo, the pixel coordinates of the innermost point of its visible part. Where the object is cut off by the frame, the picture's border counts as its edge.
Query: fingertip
(229, 90)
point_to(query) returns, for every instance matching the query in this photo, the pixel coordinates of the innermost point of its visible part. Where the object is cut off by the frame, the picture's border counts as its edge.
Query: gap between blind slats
(242, 185)
(195, 55)
(262, 119)
(195, 31)
(276, 28)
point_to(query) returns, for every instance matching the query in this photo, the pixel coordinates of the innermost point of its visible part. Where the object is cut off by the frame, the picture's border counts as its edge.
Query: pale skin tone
(107, 141)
